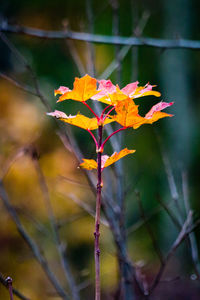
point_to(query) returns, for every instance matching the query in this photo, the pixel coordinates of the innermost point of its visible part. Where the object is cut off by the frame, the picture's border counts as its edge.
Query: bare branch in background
(192, 238)
(148, 228)
(23, 87)
(32, 245)
(91, 52)
(15, 291)
(84, 206)
(124, 50)
(178, 43)
(58, 243)
(187, 228)
(73, 51)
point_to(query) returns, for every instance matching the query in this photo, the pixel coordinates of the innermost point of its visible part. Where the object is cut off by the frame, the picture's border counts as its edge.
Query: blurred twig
(124, 50)
(148, 227)
(15, 291)
(192, 239)
(32, 245)
(187, 228)
(59, 245)
(178, 43)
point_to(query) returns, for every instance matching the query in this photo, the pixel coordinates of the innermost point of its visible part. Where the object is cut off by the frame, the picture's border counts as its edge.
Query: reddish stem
(91, 110)
(109, 112)
(10, 289)
(92, 135)
(103, 144)
(103, 111)
(97, 218)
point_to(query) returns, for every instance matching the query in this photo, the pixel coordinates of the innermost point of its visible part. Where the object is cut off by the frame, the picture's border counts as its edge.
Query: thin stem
(103, 111)
(91, 110)
(118, 130)
(97, 218)
(92, 135)
(10, 288)
(109, 112)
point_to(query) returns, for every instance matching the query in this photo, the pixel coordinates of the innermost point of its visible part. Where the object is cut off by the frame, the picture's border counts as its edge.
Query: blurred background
(159, 183)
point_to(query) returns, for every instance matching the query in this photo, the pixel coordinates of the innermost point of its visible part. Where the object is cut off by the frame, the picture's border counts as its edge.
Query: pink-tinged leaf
(57, 114)
(154, 114)
(61, 90)
(158, 107)
(130, 89)
(105, 88)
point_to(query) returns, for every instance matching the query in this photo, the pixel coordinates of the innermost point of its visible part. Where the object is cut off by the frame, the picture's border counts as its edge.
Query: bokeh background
(164, 169)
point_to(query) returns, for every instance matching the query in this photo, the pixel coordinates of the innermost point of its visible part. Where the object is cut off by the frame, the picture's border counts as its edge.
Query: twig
(85, 206)
(73, 51)
(60, 248)
(32, 245)
(23, 87)
(192, 239)
(178, 43)
(3, 281)
(124, 50)
(186, 229)
(91, 52)
(148, 227)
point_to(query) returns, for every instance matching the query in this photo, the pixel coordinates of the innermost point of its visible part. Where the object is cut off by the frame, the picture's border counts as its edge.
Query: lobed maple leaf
(128, 116)
(79, 120)
(106, 160)
(111, 94)
(83, 89)
(133, 91)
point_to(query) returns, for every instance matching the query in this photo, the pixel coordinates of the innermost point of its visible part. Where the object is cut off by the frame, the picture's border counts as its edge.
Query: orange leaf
(106, 160)
(84, 89)
(127, 114)
(78, 120)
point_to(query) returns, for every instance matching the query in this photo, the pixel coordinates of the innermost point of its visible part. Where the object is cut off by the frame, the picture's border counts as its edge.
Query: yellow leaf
(84, 89)
(106, 160)
(88, 164)
(115, 157)
(79, 120)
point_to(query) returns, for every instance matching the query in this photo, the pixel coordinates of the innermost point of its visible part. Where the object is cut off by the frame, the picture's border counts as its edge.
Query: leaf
(61, 90)
(115, 157)
(127, 113)
(154, 114)
(78, 120)
(132, 90)
(84, 88)
(88, 164)
(128, 116)
(109, 93)
(106, 160)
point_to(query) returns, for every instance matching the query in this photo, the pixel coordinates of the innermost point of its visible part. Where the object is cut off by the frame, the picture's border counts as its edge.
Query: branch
(15, 291)
(58, 243)
(185, 231)
(103, 39)
(32, 245)
(148, 227)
